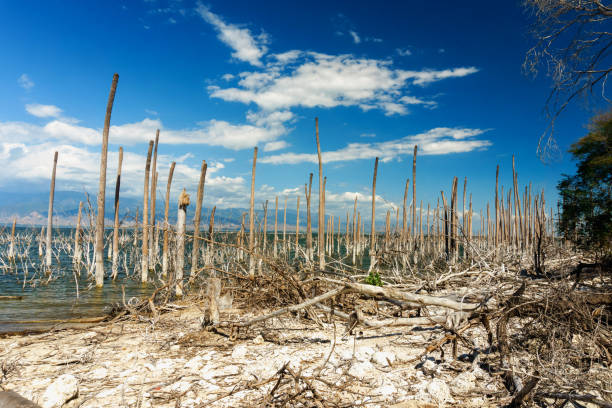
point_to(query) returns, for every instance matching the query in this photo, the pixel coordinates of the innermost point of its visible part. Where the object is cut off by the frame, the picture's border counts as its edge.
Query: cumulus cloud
(278, 145)
(262, 128)
(355, 36)
(43, 111)
(78, 169)
(436, 141)
(246, 47)
(321, 80)
(25, 82)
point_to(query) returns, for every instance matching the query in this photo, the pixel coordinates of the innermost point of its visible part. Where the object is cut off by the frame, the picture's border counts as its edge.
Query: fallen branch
(393, 293)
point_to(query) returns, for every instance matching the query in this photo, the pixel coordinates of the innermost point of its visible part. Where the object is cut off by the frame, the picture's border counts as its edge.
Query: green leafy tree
(586, 197)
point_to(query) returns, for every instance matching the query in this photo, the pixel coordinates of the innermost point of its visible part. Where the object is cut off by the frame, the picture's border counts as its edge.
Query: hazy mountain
(32, 208)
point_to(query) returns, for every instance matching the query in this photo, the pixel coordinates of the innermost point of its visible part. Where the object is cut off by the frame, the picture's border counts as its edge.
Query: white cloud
(78, 170)
(428, 76)
(411, 100)
(355, 37)
(25, 82)
(278, 145)
(403, 52)
(287, 57)
(246, 47)
(43, 111)
(263, 128)
(322, 80)
(433, 142)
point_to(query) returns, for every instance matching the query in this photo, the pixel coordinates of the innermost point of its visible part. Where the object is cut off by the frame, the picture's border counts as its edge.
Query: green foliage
(373, 279)
(586, 197)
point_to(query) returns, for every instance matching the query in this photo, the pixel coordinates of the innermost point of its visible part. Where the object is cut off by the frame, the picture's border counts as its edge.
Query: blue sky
(221, 77)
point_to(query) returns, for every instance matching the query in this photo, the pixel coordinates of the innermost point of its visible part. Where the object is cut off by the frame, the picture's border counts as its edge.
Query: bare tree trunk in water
(50, 214)
(144, 262)
(116, 226)
(102, 187)
(166, 225)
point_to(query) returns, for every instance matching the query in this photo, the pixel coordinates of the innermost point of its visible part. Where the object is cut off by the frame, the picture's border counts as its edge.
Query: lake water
(49, 298)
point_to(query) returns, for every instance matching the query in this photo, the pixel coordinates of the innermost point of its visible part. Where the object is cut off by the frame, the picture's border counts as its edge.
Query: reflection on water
(49, 298)
(46, 298)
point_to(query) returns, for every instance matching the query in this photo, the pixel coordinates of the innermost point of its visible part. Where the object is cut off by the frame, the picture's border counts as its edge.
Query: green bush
(373, 279)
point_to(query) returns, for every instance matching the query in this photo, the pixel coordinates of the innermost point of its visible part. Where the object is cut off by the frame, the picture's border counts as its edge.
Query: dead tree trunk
(153, 192)
(183, 203)
(50, 214)
(102, 187)
(144, 262)
(166, 225)
(321, 221)
(252, 219)
(196, 222)
(77, 237)
(116, 223)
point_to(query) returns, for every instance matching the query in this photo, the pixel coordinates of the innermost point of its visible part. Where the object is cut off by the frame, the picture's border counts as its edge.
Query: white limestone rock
(439, 391)
(383, 358)
(63, 389)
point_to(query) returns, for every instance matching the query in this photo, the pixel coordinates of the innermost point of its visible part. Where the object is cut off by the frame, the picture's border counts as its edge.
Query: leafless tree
(574, 46)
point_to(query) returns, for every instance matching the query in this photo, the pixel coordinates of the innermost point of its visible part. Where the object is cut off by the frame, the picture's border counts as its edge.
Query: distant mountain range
(30, 209)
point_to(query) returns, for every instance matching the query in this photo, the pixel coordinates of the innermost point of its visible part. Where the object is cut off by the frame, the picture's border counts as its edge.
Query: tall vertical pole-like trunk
(115, 258)
(428, 229)
(338, 236)
(136, 227)
(307, 191)
(252, 219)
(496, 237)
(195, 254)
(181, 219)
(77, 237)
(11, 252)
(144, 262)
(153, 192)
(166, 224)
(321, 220)
(355, 237)
(48, 253)
(265, 228)
(421, 227)
(414, 157)
(372, 226)
(454, 220)
(404, 226)
(446, 232)
(211, 237)
(463, 215)
(102, 187)
(274, 249)
(297, 228)
(285, 227)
